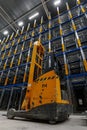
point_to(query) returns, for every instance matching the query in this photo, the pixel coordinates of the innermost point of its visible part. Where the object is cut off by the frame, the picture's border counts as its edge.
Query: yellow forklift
(45, 98)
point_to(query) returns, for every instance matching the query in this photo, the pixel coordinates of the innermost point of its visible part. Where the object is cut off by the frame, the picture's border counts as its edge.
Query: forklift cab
(54, 64)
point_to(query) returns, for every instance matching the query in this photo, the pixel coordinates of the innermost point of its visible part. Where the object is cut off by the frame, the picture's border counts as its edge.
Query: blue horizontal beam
(70, 51)
(21, 65)
(15, 54)
(15, 85)
(76, 75)
(79, 83)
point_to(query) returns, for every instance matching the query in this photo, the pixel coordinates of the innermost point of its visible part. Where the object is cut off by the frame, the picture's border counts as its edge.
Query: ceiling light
(5, 32)
(33, 16)
(57, 2)
(20, 23)
(0, 40)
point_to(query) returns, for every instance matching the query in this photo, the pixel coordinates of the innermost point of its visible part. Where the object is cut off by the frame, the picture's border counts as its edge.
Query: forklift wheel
(10, 113)
(52, 122)
(68, 117)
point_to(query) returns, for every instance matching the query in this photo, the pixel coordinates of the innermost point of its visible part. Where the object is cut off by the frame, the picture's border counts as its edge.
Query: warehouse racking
(67, 35)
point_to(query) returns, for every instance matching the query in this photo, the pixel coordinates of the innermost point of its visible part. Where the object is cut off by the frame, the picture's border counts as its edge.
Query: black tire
(68, 117)
(52, 122)
(10, 113)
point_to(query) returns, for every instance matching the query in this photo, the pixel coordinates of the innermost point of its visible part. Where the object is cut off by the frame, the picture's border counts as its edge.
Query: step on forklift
(45, 99)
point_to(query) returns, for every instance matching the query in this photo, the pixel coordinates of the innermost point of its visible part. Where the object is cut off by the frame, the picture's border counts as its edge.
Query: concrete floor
(74, 123)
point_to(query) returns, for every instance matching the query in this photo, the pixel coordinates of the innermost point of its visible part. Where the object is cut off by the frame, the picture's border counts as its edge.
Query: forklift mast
(35, 70)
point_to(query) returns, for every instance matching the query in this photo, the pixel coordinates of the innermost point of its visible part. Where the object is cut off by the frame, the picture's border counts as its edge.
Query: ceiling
(12, 11)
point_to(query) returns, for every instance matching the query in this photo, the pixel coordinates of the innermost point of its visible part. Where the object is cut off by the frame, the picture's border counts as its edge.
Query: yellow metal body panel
(46, 90)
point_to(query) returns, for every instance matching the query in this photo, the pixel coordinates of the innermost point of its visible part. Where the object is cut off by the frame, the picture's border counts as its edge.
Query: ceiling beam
(9, 18)
(45, 7)
(8, 22)
(27, 13)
